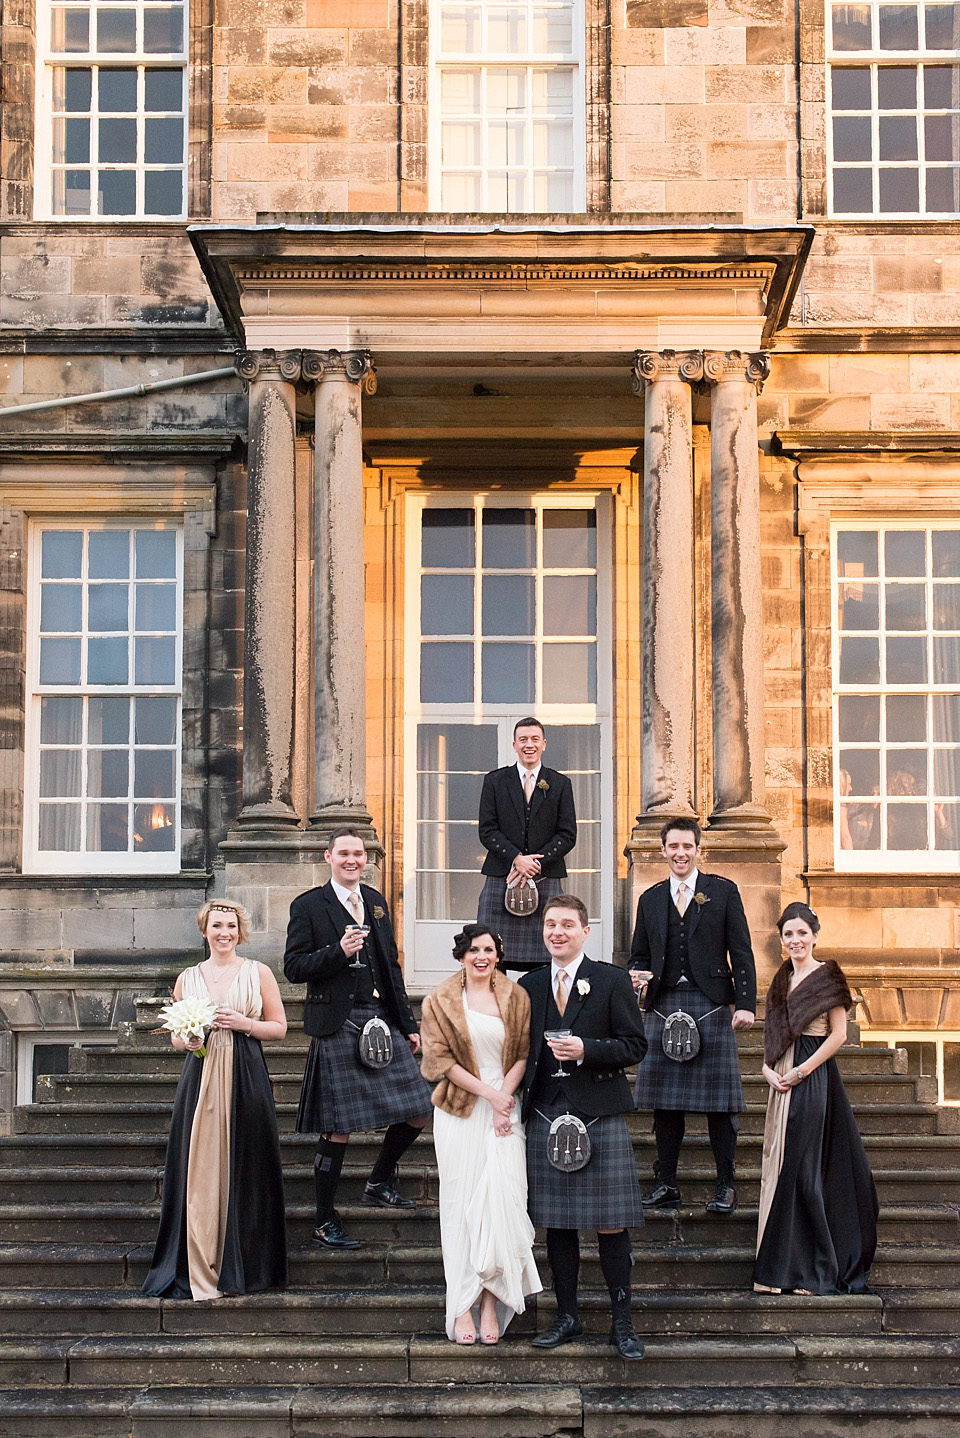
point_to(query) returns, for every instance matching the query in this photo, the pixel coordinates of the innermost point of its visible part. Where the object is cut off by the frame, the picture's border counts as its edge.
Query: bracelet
(799, 1073)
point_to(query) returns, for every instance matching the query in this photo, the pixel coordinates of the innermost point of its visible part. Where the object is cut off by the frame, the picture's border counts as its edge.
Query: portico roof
(540, 289)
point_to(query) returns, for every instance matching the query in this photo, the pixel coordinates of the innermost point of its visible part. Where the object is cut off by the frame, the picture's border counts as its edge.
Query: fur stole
(788, 1014)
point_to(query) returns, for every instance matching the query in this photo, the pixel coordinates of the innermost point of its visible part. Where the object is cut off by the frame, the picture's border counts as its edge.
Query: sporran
(568, 1143)
(521, 898)
(375, 1044)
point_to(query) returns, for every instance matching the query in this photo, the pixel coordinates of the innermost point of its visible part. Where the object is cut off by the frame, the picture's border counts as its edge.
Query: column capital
(719, 365)
(354, 365)
(652, 365)
(268, 365)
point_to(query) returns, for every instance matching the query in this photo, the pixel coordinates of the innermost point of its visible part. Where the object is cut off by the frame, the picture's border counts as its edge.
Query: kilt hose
(605, 1194)
(709, 1083)
(522, 934)
(342, 1095)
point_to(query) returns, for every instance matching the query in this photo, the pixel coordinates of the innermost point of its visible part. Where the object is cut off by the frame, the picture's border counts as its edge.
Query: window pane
(907, 826)
(108, 720)
(851, 27)
(163, 89)
(163, 30)
(508, 604)
(857, 554)
(946, 773)
(163, 142)
(574, 746)
(951, 1070)
(117, 192)
(61, 721)
(449, 846)
(156, 720)
(59, 830)
(446, 674)
(906, 606)
(898, 137)
(570, 605)
(570, 673)
(109, 554)
(156, 606)
(899, 191)
(156, 554)
(943, 191)
(851, 137)
(509, 539)
(108, 773)
(460, 29)
(506, 30)
(156, 661)
(897, 87)
(117, 30)
(906, 717)
(946, 606)
(860, 826)
(457, 746)
(153, 828)
(61, 608)
(59, 773)
(946, 718)
(153, 774)
(569, 539)
(853, 192)
(446, 604)
(906, 771)
(859, 606)
(904, 552)
(859, 717)
(940, 136)
(946, 826)
(447, 538)
(507, 673)
(860, 772)
(942, 27)
(107, 828)
(449, 896)
(586, 795)
(946, 660)
(107, 606)
(940, 86)
(71, 141)
(586, 887)
(460, 92)
(553, 31)
(118, 141)
(107, 661)
(449, 796)
(898, 27)
(59, 661)
(71, 192)
(163, 191)
(850, 89)
(61, 555)
(859, 661)
(906, 661)
(69, 30)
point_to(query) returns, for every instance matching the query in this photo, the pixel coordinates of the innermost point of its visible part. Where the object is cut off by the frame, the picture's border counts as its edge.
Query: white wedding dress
(485, 1232)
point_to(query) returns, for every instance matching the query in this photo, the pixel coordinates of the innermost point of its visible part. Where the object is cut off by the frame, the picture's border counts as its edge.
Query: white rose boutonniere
(583, 987)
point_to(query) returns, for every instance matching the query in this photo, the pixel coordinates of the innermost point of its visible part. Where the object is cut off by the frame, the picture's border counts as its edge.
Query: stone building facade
(596, 358)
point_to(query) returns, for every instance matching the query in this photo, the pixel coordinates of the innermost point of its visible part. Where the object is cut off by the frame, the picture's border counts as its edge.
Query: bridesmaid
(818, 1204)
(222, 1226)
(476, 1033)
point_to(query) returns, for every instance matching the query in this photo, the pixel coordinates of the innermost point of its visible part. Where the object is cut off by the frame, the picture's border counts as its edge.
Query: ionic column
(668, 779)
(737, 596)
(339, 659)
(269, 616)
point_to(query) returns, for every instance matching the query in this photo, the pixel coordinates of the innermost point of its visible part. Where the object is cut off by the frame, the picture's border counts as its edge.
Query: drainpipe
(70, 401)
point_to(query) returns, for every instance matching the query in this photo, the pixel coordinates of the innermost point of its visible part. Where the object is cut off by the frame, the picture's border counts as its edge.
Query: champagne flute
(549, 1034)
(363, 930)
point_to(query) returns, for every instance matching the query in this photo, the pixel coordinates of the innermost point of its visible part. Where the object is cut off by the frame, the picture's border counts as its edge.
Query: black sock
(563, 1252)
(723, 1129)
(615, 1264)
(327, 1164)
(396, 1141)
(668, 1130)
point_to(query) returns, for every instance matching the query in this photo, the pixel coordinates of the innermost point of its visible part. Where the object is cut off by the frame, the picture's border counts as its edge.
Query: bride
(476, 1032)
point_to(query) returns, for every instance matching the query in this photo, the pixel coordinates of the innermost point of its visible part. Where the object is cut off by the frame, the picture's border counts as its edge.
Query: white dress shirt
(523, 771)
(690, 881)
(344, 894)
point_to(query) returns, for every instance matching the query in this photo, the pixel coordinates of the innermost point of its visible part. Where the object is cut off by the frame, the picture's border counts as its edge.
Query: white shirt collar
(690, 881)
(344, 894)
(569, 969)
(523, 771)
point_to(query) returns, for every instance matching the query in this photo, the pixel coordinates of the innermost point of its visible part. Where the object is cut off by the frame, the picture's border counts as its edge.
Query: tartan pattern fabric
(709, 1083)
(341, 1095)
(605, 1194)
(522, 935)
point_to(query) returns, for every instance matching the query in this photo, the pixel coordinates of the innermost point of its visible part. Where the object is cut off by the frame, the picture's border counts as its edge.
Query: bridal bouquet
(188, 1018)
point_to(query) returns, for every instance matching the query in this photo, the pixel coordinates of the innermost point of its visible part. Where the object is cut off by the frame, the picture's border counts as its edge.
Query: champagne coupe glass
(549, 1034)
(363, 930)
(645, 975)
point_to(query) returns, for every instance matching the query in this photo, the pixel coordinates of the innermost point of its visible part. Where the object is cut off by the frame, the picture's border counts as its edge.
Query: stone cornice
(197, 447)
(801, 442)
(458, 273)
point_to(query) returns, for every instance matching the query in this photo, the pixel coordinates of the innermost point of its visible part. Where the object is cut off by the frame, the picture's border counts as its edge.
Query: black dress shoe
(662, 1195)
(563, 1329)
(331, 1235)
(384, 1195)
(624, 1340)
(724, 1200)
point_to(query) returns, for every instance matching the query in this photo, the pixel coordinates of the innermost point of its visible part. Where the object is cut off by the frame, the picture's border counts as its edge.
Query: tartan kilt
(522, 934)
(710, 1083)
(605, 1194)
(342, 1095)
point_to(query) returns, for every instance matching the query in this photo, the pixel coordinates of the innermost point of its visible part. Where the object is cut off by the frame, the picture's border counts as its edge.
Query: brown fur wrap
(788, 1014)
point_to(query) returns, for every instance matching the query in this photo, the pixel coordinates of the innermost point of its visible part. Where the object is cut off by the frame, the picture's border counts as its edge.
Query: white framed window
(893, 108)
(104, 660)
(47, 1051)
(507, 614)
(934, 1054)
(112, 109)
(507, 106)
(896, 671)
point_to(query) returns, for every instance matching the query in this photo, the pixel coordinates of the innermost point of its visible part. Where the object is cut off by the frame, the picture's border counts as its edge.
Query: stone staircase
(355, 1346)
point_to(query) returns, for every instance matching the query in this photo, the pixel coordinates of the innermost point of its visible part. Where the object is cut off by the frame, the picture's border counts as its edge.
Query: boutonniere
(583, 987)
(700, 900)
(542, 784)
(377, 912)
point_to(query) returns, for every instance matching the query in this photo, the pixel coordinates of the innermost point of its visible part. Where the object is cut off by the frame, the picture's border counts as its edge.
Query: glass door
(507, 606)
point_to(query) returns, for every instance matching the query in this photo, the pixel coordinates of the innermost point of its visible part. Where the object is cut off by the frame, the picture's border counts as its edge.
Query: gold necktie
(528, 787)
(562, 992)
(681, 899)
(355, 905)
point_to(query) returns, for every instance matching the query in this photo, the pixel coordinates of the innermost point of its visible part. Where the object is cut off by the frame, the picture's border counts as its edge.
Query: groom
(595, 1003)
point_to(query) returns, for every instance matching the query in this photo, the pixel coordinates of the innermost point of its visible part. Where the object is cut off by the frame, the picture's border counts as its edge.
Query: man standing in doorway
(527, 824)
(340, 943)
(691, 938)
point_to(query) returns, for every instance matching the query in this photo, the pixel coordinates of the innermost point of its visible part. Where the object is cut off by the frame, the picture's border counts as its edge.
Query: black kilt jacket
(313, 956)
(718, 942)
(506, 830)
(608, 1021)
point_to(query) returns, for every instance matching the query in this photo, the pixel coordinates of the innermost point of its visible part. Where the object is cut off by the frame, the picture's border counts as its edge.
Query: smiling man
(528, 823)
(691, 938)
(584, 1030)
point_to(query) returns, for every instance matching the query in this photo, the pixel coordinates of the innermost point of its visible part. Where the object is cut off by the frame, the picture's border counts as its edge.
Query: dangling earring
(493, 981)
(463, 979)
